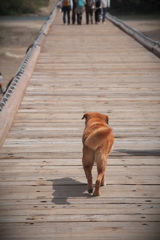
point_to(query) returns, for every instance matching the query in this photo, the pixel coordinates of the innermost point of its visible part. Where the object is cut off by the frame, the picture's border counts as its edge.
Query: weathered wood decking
(43, 186)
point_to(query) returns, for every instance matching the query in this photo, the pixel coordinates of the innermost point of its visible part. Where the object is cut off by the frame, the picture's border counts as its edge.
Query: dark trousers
(66, 11)
(97, 15)
(89, 12)
(79, 18)
(73, 16)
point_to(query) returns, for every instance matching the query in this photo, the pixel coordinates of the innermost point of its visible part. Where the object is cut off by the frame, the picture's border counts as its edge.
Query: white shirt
(106, 3)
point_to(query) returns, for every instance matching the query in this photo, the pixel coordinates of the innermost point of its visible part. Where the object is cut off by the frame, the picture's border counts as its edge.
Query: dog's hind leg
(103, 182)
(101, 160)
(88, 161)
(99, 181)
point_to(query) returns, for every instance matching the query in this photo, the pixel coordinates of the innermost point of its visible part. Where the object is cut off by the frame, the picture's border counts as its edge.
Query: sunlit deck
(43, 187)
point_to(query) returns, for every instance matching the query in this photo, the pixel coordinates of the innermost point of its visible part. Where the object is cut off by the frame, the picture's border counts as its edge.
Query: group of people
(91, 7)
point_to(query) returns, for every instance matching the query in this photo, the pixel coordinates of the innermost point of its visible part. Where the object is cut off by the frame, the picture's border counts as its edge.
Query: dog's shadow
(65, 189)
(151, 152)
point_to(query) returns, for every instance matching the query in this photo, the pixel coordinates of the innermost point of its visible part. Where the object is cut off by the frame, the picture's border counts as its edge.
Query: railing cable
(14, 81)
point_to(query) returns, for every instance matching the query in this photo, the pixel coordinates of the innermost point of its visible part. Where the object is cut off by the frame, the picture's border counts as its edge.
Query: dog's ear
(85, 116)
(107, 119)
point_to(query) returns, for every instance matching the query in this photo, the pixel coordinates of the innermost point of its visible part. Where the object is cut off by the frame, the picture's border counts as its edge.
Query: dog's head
(95, 116)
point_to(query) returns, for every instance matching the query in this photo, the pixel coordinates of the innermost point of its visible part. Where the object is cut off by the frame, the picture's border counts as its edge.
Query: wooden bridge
(43, 187)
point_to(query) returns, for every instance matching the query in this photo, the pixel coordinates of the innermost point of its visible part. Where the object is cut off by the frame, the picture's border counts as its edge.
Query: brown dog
(97, 145)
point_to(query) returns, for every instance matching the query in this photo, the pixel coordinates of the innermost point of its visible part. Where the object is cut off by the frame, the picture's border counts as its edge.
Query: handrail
(38, 42)
(153, 46)
(15, 92)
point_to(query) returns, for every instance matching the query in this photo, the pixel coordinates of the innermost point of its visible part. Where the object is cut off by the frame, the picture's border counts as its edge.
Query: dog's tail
(98, 137)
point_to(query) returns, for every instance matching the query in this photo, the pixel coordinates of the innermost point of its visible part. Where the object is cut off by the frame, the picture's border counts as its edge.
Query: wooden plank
(123, 161)
(116, 170)
(102, 230)
(42, 180)
(58, 192)
(44, 203)
(80, 218)
(93, 208)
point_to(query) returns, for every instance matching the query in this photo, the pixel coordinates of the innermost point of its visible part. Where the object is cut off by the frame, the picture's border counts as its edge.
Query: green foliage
(18, 7)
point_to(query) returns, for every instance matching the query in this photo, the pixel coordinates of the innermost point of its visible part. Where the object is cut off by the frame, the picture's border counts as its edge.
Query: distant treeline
(18, 7)
(135, 6)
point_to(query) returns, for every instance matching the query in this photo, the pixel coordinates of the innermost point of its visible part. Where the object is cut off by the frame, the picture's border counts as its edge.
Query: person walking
(79, 10)
(66, 6)
(89, 6)
(105, 5)
(98, 4)
(73, 12)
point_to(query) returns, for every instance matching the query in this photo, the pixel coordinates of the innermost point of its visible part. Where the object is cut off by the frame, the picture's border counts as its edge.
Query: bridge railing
(153, 46)
(14, 93)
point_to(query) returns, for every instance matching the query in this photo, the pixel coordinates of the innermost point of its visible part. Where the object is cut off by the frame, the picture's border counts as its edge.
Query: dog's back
(97, 133)
(99, 137)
